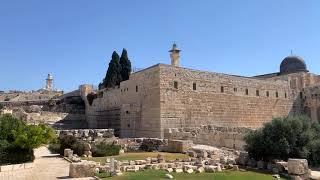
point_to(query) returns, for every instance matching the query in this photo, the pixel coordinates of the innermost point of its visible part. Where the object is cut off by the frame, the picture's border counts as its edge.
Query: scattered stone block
(67, 153)
(178, 170)
(82, 169)
(169, 176)
(160, 158)
(219, 169)
(189, 171)
(298, 166)
(276, 176)
(169, 170)
(210, 169)
(200, 170)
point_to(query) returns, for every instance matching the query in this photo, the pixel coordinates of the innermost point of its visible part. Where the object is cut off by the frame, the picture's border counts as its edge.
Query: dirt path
(47, 167)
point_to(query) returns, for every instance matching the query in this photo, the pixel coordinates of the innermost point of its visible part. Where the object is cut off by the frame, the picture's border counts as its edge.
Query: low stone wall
(230, 137)
(142, 144)
(16, 167)
(87, 134)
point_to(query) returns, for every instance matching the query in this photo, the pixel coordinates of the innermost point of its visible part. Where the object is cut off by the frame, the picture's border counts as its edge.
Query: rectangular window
(257, 93)
(301, 95)
(277, 94)
(175, 84)
(285, 95)
(235, 89)
(222, 89)
(136, 88)
(194, 86)
(267, 93)
(247, 91)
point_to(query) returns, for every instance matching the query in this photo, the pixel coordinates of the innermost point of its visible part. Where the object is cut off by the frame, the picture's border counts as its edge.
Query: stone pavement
(48, 166)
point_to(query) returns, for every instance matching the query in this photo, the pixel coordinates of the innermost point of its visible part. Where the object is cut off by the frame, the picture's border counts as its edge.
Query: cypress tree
(125, 65)
(113, 75)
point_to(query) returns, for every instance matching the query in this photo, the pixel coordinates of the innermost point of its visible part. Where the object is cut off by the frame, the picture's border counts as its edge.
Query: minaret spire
(175, 55)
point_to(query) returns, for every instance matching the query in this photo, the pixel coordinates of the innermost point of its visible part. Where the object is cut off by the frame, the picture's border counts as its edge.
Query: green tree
(283, 138)
(125, 65)
(113, 75)
(18, 139)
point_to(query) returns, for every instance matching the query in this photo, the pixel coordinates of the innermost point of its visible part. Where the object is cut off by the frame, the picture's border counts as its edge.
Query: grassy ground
(160, 174)
(140, 156)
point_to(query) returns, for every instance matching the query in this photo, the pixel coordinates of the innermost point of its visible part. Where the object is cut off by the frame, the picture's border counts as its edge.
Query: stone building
(164, 97)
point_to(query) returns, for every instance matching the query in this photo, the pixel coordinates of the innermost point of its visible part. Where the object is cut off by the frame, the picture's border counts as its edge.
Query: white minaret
(49, 82)
(174, 55)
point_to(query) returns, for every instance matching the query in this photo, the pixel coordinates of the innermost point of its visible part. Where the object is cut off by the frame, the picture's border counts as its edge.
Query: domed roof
(293, 64)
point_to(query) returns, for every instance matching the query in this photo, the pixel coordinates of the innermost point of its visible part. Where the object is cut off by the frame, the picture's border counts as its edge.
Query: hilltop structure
(163, 97)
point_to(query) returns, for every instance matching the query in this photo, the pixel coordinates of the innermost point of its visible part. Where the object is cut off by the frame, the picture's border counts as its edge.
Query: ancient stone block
(82, 169)
(298, 166)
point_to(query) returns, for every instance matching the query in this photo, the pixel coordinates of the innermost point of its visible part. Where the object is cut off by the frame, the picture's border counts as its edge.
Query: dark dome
(293, 64)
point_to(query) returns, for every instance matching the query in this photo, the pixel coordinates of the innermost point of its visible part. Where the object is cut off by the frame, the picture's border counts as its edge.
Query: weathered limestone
(298, 166)
(68, 153)
(178, 146)
(82, 169)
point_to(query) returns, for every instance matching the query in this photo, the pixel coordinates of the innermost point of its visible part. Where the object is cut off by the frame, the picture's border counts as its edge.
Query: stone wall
(134, 107)
(212, 98)
(210, 135)
(163, 97)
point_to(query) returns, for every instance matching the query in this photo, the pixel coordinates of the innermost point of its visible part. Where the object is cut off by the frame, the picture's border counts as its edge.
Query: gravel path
(47, 167)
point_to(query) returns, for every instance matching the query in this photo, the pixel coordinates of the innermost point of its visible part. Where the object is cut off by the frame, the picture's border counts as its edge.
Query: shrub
(67, 141)
(78, 148)
(17, 139)
(103, 149)
(283, 138)
(54, 147)
(73, 143)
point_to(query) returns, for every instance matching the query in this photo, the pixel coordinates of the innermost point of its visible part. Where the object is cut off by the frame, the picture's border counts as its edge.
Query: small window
(136, 88)
(235, 89)
(267, 94)
(285, 95)
(247, 91)
(175, 84)
(257, 93)
(127, 112)
(277, 94)
(222, 89)
(128, 125)
(127, 89)
(301, 95)
(194, 86)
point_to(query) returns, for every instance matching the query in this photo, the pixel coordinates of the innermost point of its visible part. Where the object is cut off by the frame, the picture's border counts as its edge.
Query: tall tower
(174, 55)
(49, 82)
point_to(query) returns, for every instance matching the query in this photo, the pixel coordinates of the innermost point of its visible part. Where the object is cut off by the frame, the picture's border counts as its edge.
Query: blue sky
(74, 39)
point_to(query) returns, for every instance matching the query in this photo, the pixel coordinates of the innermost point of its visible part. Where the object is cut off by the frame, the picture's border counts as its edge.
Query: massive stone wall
(191, 98)
(230, 137)
(136, 102)
(163, 97)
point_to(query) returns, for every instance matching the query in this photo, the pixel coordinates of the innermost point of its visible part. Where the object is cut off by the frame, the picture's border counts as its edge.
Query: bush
(67, 141)
(71, 142)
(283, 138)
(78, 148)
(17, 139)
(54, 148)
(103, 149)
